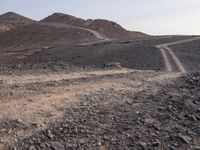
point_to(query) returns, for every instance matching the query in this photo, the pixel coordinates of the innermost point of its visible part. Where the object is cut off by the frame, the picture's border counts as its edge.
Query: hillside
(12, 20)
(112, 29)
(41, 34)
(65, 19)
(109, 29)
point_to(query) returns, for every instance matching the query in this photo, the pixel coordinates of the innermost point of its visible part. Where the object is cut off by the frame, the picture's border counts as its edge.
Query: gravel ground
(140, 54)
(121, 119)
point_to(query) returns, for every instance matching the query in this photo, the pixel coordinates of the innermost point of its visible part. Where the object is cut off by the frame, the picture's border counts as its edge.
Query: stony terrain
(164, 117)
(135, 54)
(67, 83)
(92, 109)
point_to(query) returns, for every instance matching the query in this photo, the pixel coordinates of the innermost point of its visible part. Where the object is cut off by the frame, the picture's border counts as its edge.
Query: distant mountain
(109, 29)
(13, 20)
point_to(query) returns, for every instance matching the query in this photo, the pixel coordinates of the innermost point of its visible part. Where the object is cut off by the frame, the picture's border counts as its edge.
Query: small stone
(32, 148)
(99, 143)
(81, 141)
(19, 120)
(1, 140)
(58, 147)
(129, 102)
(76, 130)
(183, 138)
(172, 147)
(142, 145)
(3, 130)
(50, 135)
(38, 125)
(155, 144)
(9, 131)
(196, 147)
(42, 145)
(30, 100)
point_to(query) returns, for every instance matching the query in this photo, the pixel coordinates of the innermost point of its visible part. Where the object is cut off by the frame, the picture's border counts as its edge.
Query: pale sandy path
(165, 57)
(164, 48)
(47, 104)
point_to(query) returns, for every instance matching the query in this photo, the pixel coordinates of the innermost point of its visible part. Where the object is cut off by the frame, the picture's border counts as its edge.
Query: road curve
(164, 48)
(100, 38)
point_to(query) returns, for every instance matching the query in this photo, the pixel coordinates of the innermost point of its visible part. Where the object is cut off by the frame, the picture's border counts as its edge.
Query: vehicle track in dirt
(164, 48)
(39, 99)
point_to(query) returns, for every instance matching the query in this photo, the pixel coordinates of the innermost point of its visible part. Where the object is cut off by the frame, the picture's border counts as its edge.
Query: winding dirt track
(164, 48)
(100, 38)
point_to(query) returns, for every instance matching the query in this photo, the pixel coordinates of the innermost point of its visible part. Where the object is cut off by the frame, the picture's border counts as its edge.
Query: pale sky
(150, 16)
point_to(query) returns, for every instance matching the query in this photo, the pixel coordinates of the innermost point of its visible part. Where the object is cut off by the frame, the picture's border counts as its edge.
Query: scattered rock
(58, 146)
(184, 139)
(50, 135)
(143, 145)
(155, 144)
(32, 148)
(113, 64)
(195, 147)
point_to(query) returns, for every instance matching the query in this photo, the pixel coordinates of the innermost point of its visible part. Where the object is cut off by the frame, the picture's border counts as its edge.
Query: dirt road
(34, 100)
(99, 36)
(167, 52)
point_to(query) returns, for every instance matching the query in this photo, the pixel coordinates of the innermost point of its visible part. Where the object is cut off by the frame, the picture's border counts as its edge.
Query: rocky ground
(60, 89)
(98, 109)
(135, 54)
(125, 119)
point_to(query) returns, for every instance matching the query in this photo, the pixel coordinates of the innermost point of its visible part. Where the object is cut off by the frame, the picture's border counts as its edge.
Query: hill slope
(41, 34)
(112, 29)
(109, 29)
(65, 19)
(12, 20)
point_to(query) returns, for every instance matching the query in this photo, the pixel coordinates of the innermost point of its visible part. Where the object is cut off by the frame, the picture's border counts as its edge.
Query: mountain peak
(11, 20)
(64, 18)
(10, 15)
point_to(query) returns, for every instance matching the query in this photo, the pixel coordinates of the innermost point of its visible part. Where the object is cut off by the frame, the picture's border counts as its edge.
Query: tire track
(164, 48)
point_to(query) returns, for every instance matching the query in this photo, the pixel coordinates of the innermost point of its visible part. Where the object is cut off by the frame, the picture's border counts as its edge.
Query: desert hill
(41, 34)
(65, 19)
(109, 29)
(13, 20)
(57, 29)
(112, 29)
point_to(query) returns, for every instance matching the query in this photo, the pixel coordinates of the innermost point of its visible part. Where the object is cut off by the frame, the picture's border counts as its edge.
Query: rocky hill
(12, 20)
(109, 29)
(57, 29)
(41, 34)
(112, 29)
(65, 19)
